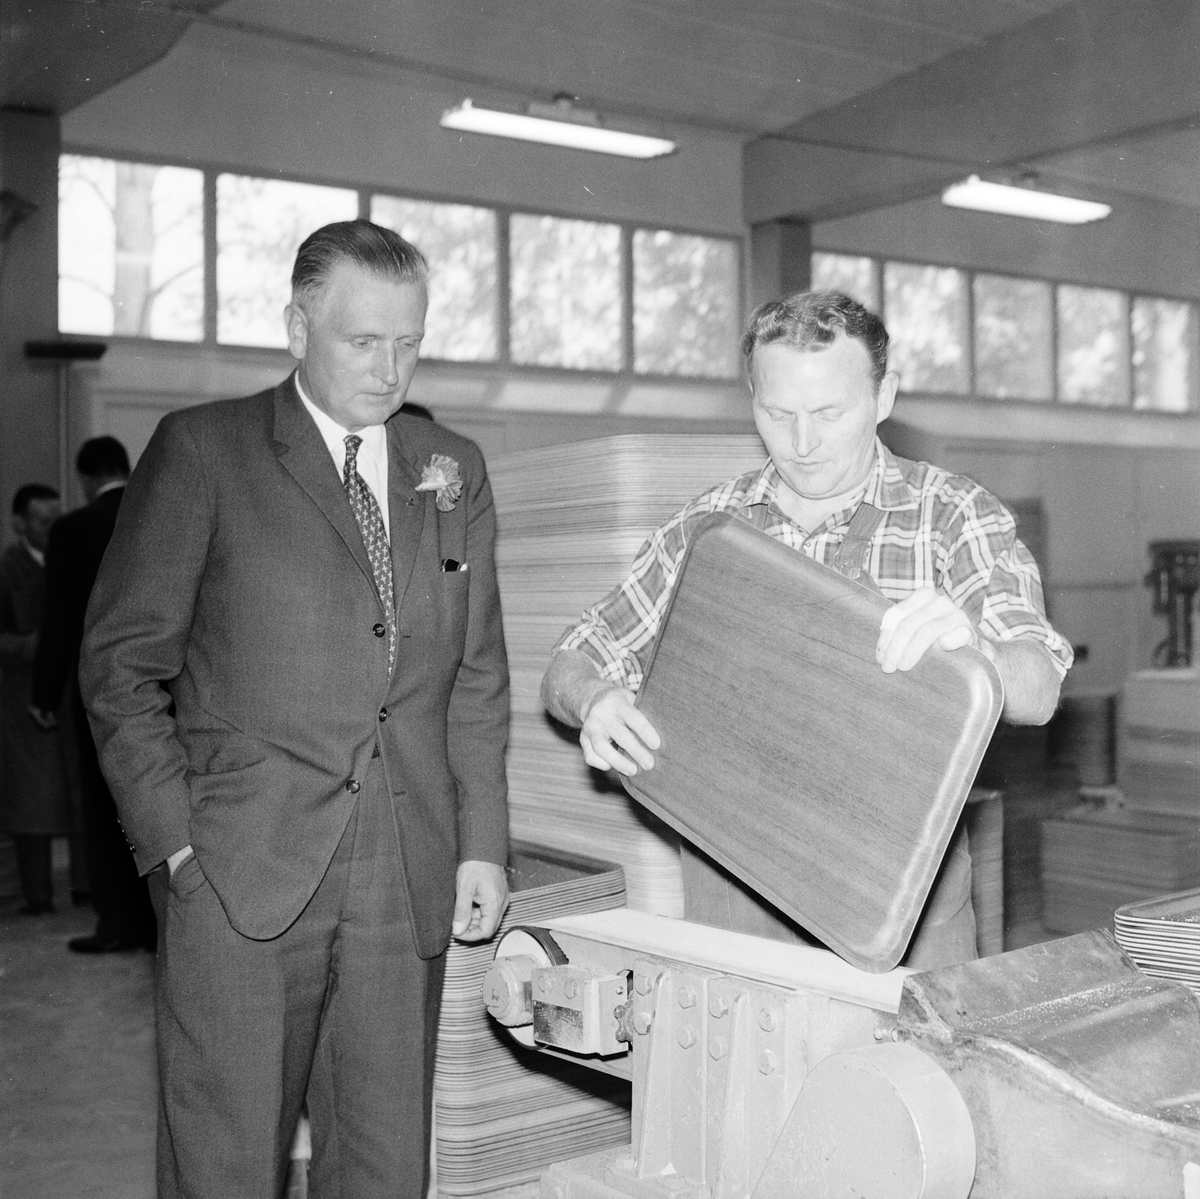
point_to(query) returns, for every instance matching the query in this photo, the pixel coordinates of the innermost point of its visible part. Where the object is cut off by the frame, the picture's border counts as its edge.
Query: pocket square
(452, 564)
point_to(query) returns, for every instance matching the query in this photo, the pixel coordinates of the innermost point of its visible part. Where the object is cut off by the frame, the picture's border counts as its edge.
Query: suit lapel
(406, 510)
(305, 456)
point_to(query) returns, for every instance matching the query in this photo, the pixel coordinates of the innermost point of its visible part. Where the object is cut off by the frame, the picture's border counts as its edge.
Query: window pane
(1093, 346)
(1166, 355)
(260, 225)
(459, 242)
(685, 304)
(565, 308)
(1013, 337)
(926, 315)
(855, 277)
(130, 249)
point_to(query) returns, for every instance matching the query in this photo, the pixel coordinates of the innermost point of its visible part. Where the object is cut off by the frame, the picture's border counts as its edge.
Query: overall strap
(853, 555)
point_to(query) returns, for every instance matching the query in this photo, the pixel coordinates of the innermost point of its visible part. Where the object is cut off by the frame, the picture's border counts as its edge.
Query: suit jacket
(238, 590)
(78, 542)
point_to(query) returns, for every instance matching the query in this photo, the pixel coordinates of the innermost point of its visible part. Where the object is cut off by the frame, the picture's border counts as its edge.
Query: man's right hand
(177, 859)
(615, 735)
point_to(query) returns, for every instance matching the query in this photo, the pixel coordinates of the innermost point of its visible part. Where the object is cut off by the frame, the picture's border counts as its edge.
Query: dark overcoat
(34, 792)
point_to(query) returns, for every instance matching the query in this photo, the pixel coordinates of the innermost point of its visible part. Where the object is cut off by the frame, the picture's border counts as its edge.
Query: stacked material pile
(1143, 838)
(571, 518)
(1158, 750)
(503, 1113)
(984, 816)
(1096, 858)
(1163, 937)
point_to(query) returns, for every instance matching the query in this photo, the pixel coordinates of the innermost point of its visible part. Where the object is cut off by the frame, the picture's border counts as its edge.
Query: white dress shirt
(372, 454)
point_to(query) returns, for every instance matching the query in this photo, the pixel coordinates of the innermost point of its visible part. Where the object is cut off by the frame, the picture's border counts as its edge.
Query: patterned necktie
(374, 535)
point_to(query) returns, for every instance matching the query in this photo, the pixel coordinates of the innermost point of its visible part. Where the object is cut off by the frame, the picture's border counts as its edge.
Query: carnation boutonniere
(440, 474)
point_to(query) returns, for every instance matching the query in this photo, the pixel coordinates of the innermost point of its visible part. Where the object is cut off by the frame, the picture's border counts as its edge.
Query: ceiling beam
(1094, 71)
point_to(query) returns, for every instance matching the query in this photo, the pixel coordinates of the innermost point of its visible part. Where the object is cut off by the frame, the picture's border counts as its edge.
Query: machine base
(592, 1177)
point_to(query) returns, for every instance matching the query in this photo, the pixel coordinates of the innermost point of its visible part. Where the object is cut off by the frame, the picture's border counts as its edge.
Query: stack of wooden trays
(571, 519)
(1163, 936)
(1097, 858)
(984, 816)
(1158, 750)
(503, 1112)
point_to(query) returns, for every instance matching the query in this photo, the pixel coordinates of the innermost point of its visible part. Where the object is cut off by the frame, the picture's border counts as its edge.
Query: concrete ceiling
(843, 104)
(55, 54)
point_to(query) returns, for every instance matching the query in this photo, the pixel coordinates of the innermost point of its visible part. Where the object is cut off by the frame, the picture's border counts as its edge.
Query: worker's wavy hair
(810, 320)
(381, 251)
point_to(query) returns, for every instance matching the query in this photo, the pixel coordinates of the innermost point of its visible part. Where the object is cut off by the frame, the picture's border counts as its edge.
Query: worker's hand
(177, 859)
(46, 721)
(480, 901)
(924, 619)
(615, 735)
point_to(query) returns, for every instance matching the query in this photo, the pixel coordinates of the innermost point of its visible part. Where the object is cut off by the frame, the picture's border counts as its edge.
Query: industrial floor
(77, 1080)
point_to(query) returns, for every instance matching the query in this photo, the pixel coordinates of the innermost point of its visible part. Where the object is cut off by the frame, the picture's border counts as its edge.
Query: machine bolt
(642, 984)
(718, 1006)
(687, 997)
(718, 1047)
(642, 1022)
(686, 1038)
(545, 984)
(767, 1063)
(768, 1019)
(570, 989)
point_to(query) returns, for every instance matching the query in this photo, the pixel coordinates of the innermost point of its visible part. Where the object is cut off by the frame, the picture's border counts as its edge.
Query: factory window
(1014, 352)
(926, 311)
(1166, 355)
(565, 293)
(459, 242)
(260, 225)
(1093, 346)
(130, 249)
(685, 309)
(1030, 339)
(850, 274)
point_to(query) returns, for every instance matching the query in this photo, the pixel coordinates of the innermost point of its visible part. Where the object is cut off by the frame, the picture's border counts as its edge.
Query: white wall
(242, 101)
(1145, 245)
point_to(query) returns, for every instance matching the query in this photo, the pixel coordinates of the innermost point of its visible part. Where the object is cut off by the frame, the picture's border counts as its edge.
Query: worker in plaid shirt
(937, 544)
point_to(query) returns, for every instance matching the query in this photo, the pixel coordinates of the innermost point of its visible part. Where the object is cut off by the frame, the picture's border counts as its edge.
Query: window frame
(503, 212)
(1130, 294)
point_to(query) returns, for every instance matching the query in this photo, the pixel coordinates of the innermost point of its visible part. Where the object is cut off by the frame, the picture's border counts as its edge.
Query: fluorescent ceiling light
(982, 196)
(558, 124)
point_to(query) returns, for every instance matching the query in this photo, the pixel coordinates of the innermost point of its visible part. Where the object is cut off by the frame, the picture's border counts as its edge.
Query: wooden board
(787, 755)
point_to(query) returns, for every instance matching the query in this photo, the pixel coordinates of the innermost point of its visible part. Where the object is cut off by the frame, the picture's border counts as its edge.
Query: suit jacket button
(382, 714)
(379, 630)
(354, 786)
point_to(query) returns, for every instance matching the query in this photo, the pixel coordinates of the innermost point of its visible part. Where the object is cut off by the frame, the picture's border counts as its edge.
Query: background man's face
(816, 411)
(35, 524)
(357, 344)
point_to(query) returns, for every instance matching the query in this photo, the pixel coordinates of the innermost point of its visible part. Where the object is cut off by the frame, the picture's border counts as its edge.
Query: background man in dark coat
(124, 917)
(295, 669)
(35, 800)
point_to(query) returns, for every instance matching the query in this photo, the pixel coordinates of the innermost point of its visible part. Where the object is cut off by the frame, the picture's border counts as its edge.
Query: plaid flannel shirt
(938, 530)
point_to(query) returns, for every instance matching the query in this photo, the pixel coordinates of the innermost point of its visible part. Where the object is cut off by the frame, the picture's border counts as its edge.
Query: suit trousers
(338, 1011)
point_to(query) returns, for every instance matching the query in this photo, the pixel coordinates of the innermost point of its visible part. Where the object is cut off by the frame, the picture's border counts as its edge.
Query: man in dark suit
(295, 670)
(124, 916)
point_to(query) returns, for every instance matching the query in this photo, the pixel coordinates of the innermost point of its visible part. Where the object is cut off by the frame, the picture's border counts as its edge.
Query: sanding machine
(790, 1071)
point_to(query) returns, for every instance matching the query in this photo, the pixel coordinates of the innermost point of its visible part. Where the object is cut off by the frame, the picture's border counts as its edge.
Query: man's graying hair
(381, 251)
(810, 320)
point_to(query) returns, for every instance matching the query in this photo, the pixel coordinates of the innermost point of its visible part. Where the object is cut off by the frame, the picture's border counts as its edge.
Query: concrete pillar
(780, 258)
(29, 148)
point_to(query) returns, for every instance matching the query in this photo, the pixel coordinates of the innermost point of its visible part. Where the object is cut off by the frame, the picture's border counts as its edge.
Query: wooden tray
(787, 755)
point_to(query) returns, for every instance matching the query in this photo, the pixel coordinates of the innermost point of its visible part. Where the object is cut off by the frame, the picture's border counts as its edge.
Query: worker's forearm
(570, 686)
(1031, 683)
